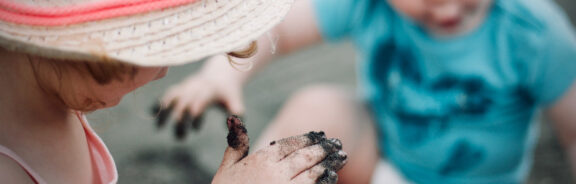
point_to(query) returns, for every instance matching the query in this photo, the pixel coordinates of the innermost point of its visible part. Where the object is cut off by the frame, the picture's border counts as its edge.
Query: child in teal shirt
(458, 109)
(452, 86)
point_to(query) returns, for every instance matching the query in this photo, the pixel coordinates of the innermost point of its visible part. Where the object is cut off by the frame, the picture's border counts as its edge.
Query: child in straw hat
(452, 86)
(60, 59)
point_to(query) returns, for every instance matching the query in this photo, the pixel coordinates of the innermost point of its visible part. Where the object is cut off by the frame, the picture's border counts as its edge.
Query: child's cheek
(149, 74)
(473, 6)
(414, 9)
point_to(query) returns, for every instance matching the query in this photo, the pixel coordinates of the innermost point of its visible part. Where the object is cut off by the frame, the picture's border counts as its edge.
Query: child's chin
(97, 105)
(447, 32)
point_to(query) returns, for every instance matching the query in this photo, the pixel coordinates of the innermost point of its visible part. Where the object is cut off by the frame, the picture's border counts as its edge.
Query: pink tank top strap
(104, 167)
(33, 175)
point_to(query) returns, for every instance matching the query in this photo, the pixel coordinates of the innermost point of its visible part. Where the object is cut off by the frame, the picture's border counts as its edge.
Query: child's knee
(320, 96)
(320, 107)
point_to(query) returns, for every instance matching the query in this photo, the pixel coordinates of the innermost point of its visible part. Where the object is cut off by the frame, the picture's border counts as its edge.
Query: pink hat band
(79, 13)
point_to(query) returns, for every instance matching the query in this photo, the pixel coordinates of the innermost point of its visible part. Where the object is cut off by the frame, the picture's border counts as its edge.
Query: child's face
(444, 17)
(111, 94)
(82, 92)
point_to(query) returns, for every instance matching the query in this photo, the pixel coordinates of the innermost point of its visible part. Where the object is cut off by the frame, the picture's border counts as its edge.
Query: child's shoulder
(530, 26)
(533, 15)
(12, 172)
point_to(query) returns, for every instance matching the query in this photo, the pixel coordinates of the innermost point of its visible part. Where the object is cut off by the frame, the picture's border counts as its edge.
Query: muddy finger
(310, 176)
(302, 159)
(238, 141)
(328, 177)
(180, 129)
(285, 146)
(335, 161)
(197, 122)
(162, 114)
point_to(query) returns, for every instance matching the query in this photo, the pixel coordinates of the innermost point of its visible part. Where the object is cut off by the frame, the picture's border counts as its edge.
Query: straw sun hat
(140, 32)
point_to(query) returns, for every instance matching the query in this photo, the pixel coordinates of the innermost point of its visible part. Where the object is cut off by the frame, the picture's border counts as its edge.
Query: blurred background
(144, 154)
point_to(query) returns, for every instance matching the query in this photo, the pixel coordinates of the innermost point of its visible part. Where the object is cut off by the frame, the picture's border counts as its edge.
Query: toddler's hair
(243, 54)
(246, 53)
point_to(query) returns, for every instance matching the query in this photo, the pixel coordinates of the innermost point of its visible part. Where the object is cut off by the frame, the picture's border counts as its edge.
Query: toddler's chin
(449, 32)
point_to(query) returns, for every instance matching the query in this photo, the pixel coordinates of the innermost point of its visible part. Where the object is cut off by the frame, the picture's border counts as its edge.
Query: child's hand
(308, 158)
(186, 101)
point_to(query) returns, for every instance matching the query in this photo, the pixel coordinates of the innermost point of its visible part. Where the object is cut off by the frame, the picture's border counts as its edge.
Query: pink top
(103, 165)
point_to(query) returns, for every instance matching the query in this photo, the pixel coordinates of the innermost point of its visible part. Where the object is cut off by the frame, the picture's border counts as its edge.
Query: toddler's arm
(218, 82)
(563, 115)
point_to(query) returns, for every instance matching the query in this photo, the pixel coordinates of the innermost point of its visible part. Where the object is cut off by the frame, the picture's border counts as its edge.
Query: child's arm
(563, 115)
(218, 82)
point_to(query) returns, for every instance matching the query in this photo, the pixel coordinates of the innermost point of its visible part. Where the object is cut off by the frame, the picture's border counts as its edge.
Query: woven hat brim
(171, 36)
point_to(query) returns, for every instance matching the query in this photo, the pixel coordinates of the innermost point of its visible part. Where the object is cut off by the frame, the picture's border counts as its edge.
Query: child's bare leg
(340, 115)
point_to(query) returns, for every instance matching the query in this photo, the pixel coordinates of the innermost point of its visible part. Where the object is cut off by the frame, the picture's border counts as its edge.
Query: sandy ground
(144, 154)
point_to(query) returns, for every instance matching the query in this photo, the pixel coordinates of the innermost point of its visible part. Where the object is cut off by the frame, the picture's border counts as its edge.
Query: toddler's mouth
(449, 23)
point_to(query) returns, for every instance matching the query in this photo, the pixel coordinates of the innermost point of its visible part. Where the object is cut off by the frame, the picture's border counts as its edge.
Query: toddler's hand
(308, 158)
(186, 101)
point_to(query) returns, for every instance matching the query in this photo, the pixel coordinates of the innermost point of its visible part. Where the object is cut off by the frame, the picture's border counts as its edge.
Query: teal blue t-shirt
(458, 110)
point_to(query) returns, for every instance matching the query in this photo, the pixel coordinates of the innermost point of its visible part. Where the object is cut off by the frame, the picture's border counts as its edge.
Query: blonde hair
(243, 54)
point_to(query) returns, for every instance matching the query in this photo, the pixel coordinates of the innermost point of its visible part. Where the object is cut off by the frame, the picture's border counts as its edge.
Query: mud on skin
(316, 137)
(237, 134)
(335, 161)
(328, 177)
(311, 138)
(181, 126)
(331, 145)
(197, 122)
(162, 114)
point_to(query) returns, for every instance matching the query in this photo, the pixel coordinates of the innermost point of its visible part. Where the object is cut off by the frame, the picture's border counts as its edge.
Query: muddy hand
(309, 158)
(187, 101)
(181, 125)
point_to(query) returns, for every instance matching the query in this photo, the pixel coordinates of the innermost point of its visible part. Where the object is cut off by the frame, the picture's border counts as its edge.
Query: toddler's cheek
(414, 9)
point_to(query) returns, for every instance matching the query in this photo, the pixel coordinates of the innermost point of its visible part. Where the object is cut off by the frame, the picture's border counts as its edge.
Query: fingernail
(342, 155)
(336, 143)
(162, 115)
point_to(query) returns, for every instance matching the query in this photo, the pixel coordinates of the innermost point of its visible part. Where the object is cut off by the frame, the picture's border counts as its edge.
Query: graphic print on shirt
(423, 109)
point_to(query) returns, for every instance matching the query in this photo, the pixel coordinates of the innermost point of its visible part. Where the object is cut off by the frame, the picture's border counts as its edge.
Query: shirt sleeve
(555, 72)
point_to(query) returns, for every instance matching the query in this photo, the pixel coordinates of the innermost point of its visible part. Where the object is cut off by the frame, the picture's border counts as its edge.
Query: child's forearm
(298, 30)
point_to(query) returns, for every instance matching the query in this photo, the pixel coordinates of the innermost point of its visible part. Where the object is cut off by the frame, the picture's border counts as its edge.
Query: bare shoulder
(11, 172)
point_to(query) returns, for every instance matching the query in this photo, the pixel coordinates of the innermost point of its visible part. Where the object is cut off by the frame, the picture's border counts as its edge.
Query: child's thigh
(340, 114)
